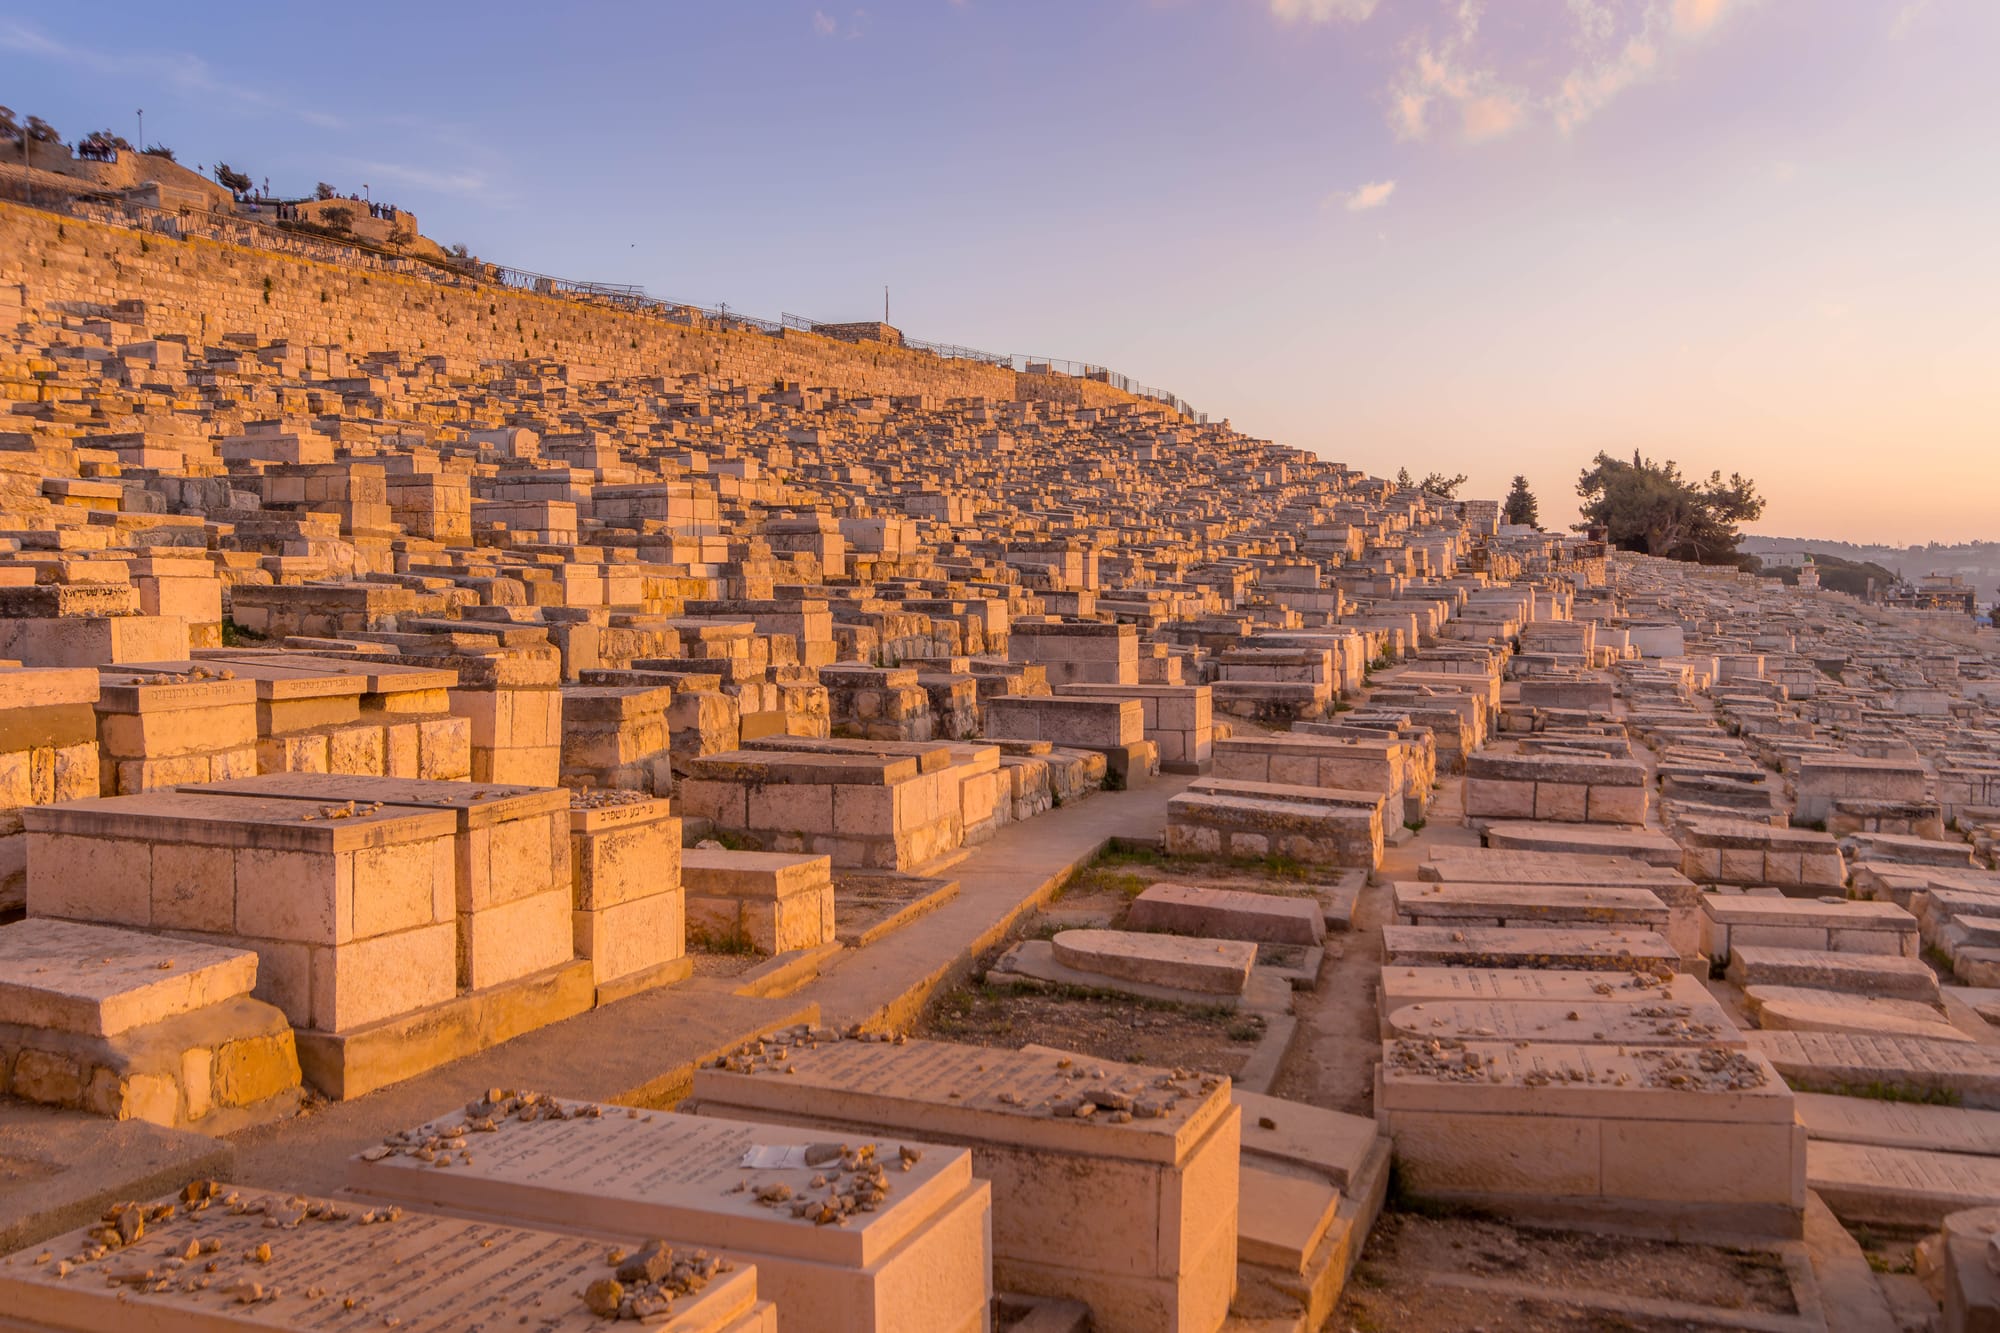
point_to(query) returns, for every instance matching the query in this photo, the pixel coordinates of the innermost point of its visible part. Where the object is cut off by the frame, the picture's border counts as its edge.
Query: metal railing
(23, 187)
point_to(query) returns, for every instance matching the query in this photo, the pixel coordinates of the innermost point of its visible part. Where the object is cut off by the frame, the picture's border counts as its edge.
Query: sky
(1478, 236)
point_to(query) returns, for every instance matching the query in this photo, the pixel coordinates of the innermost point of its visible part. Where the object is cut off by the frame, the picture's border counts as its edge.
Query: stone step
(69, 976)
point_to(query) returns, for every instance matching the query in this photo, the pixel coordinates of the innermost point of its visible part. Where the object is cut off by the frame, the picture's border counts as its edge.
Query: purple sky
(1492, 238)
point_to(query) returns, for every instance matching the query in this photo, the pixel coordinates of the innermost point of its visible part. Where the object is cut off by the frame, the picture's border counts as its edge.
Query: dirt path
(1333, 1058)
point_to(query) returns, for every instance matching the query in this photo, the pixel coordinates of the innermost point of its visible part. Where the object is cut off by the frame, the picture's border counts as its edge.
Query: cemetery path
(642, 1050)
(886, 983)
(1333, 1057)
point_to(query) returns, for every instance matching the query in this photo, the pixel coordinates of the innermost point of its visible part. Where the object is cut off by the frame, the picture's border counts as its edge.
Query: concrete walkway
(885, 984)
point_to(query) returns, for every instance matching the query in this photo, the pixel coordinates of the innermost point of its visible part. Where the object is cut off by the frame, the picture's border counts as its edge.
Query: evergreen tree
(1650, 507)
(1521, 506)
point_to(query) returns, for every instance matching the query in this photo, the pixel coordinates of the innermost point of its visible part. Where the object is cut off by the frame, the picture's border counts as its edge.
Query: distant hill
(1840, 575)
(1978, 563)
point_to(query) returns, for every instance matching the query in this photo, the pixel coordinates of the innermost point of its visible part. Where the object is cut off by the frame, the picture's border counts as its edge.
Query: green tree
(1521, 507)
(41, 131)
(324, 191)
(1438, 484)
(236, 182)
(1403, 477)
(1650, 507)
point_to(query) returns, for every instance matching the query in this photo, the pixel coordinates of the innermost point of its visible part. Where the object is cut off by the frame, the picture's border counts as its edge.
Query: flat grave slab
(1218, 967)
(413, 1271)
(1230, 914)
(917, 1258)
(1518, 906)
(1660, 1023)
(1911, 1067)
(1490, 865)
(1906, 1187)
(1475, 946)
(1412, 985)
(1799, 1009)
(1952, 1129)
(1033, 964)
(1887, 975)
(70, 976)
(1639, 844)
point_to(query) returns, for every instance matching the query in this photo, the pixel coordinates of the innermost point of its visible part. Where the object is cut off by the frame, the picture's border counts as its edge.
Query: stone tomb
(1427, 904)
(139, 1027)
(1637, 1023)
(919, 1261)
(48, 752)
(1738, 851)
(627, 906)
(350, 914)
(159, 730)
(1902, 1187)
(1459, 865)
(1300, 760)
(1639, 844)
(1130, 1207)
(1414, 985)
(1913, 1068)
(1220, 967)
(1890, 976)
(880, 812)
(772, 901)
(1228, 914)
(1569, 789)
(1678, 1141)
(1826, 925)
(511, 858)
(412, 1271)
(1475, 946)
(1266, 819)
(1801, 1009)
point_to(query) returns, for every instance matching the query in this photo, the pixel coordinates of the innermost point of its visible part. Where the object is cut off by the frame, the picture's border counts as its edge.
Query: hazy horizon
(1754, 235)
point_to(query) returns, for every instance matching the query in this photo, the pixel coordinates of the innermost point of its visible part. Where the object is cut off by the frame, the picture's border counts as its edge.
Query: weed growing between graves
(1876, 1090)
(1106, 1025)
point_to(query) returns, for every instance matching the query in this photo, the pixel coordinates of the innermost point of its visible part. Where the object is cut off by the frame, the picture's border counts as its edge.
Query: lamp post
(141, 145)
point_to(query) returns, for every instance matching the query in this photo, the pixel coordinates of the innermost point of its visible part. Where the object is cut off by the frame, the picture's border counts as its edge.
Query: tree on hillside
(1438, 484)
(1650, 507)
(324, 191)
(41, 131)
(10, 128)
(1521, 507)
(1403, 477)
(159, 150)
(230, 179)
(340, 217)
